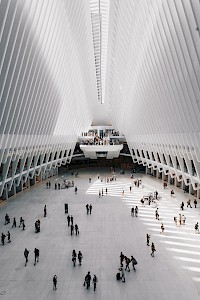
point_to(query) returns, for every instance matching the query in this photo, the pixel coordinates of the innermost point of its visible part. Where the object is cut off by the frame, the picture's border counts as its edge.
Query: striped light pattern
(153, 83)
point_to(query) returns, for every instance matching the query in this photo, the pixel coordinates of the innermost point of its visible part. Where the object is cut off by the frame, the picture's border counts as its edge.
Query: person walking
(99, 194)
(75, 189)
(72, 229)
(127, 261)
(195, 203)
(106, 191)
(162, 228)
(148, 239)
(183, 219)
(72, 220)
(121, 259)
(95, 280)
(76, 229)
(156, 213)
(49, 184)
(132, 211)
(180, 219)
(45, 210)
(74, 257)
(136, 211)
(7, 219)
(37, 254)
(153, 249)
(3, 236)
(158, 216)
(196, 227)
(8, 235)
(26, 253)
(80, 257)
(20, 221)
(182, 205)
(87, 280)
(134, 262)
(87, 208)
(14, 223)
(90, 208)
(68, 220)
(189, 203)
(23, 225)
(55, 280)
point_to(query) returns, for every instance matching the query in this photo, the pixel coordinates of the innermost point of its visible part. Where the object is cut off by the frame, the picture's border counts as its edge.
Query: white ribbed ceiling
(140, 58)
(153, 75)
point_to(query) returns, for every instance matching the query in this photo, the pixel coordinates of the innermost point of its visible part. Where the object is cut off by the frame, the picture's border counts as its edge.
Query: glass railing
(100, 143)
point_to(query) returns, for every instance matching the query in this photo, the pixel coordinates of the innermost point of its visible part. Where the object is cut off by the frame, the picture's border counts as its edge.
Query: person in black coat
(68, 220)
(3, 238)
(14, 223)
(87, 280)
(37, 253)
(26, 253)
(45, 210)
(55, 280)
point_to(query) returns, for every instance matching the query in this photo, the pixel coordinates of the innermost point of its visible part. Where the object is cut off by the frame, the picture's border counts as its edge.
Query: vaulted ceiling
(61, 60)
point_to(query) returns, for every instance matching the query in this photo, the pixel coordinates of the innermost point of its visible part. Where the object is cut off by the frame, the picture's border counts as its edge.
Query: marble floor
(174, 272)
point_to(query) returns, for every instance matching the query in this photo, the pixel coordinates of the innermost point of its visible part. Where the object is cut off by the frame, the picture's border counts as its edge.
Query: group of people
(88, 279)
(3, 236)
(180, 220)
(48, 184)
(137, 182)
(134, 211)
(36, 255)
(107, 179)
(57, 186)
(89, 208)
(101, 192)
(7, 221)
(150, 199)
(189, 203)
(70, 221)
(74, 256)
(125, 259)
(153, 249)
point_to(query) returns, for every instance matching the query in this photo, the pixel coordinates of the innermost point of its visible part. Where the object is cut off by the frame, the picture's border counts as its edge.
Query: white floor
(174, 272)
